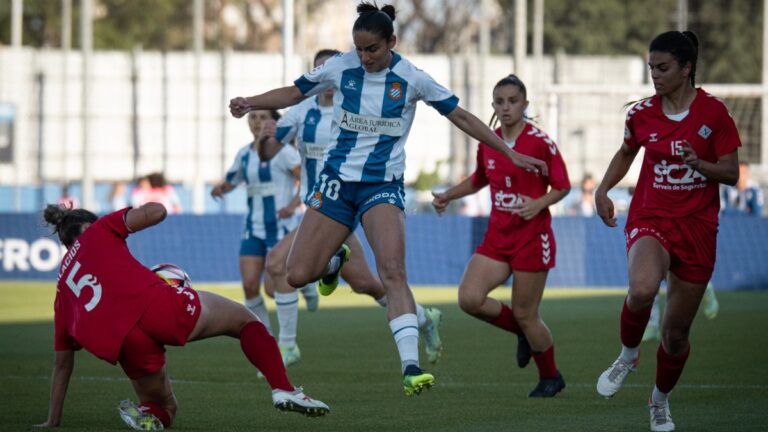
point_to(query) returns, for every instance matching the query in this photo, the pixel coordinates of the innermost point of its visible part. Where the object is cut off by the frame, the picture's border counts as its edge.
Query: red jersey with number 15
(102, 290)
(667, 188)
(509, 183)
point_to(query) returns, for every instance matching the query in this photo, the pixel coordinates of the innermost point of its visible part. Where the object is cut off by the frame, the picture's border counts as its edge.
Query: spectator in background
(586, 204)
(746, 198)
(67, 200)
(163, 192)
(117, 199)
(140, 192)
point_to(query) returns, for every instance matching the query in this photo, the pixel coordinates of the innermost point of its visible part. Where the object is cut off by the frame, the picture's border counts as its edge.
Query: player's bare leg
(251, 269)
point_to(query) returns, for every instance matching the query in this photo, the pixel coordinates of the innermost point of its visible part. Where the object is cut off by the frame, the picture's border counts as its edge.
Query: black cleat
(523, 352)
(548, 387)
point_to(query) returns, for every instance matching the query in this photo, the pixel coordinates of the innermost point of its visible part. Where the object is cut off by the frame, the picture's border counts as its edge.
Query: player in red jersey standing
(519, 240)
(122, 312)
(691, 144)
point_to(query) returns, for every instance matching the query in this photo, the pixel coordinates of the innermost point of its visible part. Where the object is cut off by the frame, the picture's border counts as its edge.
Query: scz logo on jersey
(395, 92)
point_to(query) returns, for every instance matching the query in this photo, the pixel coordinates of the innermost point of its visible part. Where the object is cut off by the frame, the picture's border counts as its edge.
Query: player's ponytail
(67, 222)
(374, 20)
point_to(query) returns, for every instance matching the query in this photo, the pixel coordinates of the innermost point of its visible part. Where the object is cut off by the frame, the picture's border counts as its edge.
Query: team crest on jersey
(316, 201)
(705, 131)
(395, 92)
(351, 85)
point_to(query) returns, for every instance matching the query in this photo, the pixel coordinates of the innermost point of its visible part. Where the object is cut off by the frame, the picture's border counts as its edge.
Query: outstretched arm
(474, 127)
(62, 371)
(442, 199)
(616, 171)
(274, 99)
(149, 214)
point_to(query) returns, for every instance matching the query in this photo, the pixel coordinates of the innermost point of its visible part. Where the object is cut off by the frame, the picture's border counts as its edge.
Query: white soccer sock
(287, 305)
(629, 355)
(658, 397)
(257, 306)
(405, 331)
(309, 290)
(655, 314)
(382, 301)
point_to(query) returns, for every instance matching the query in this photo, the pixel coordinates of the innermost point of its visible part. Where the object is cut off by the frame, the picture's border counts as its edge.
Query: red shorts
(538, 254)
(168, 321)
(691, 244)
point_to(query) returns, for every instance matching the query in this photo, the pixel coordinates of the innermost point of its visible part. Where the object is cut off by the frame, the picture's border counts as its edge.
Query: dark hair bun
(54, 214)
(390, 11)
(366, 7)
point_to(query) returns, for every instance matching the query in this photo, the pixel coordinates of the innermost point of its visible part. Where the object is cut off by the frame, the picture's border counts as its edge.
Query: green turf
(350, 361)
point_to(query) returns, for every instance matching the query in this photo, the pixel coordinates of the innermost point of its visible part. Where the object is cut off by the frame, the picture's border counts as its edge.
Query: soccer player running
(122, 312)
(691, 145)
(310, 124)
(269, 171)
(374, 105)
(519, 240)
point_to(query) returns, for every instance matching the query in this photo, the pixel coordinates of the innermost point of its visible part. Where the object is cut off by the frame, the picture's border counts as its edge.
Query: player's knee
(675, 341)
(524, 316)
(275, 266)
(392, 272)
(469, 303)
(297, 276)
(642, 292)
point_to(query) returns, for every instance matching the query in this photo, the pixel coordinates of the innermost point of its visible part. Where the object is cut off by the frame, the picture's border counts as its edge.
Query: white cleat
(297, 401)
(613, 378)
(661, 419)
(137, 419)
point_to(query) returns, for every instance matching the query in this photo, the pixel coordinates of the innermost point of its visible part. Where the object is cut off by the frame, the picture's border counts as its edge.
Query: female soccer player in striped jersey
(374, 105)
(269, 171)
(519, 240)
(691, 145)
(120, 311)
(310, 124)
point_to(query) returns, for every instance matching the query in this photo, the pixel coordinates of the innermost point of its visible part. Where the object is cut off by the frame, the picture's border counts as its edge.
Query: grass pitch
(350, 361)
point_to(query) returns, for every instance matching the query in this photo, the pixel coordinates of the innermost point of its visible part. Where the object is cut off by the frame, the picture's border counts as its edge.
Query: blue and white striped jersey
(373, 113)
(270, 186)
(310, 124)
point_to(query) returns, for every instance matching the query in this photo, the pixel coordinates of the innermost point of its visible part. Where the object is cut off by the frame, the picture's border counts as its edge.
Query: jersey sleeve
(234, 175)
(558, 173)
(479, 179)
(320, 78)
(115, 222)
(288, 125)
(62, 340)
(629, 131)
(434, 94)
(726, 136)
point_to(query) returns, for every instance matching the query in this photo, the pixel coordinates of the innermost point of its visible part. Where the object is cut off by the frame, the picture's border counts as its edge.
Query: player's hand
(528, 163)
(528, 208)
(689, 156)
(218, 191)
(440, 201)
(285, 212)
(268, 130)
(239, 107)
(605, 209)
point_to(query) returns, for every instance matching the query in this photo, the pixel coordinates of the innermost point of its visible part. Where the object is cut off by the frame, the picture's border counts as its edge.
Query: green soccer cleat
(433, 346)
(291, 355)
(136, 419)
(415, 380)
(329, 282)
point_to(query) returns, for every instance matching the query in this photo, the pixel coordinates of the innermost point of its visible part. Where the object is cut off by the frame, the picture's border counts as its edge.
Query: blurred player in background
(374, 105)
(691, 145)
(310, 124)
(269, 171)
(122, 312)
(519, 240)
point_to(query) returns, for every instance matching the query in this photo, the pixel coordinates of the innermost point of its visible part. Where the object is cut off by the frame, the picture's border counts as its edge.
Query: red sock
(157, 411)
(545, 361)
(633, 325)
(669, 368)
(506, 321)
(262, 351)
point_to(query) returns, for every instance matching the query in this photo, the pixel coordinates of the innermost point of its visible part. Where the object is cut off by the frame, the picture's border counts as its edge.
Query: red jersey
(102, 290)
(667, 188)
(508, 182)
